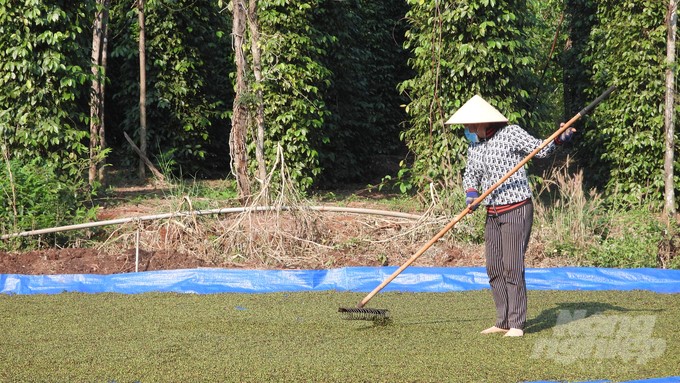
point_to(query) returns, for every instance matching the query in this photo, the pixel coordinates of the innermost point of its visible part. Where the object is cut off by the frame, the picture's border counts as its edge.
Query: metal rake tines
(368, 314)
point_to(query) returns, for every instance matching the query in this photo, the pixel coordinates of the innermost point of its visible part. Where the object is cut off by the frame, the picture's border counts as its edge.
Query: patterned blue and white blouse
(490, 159)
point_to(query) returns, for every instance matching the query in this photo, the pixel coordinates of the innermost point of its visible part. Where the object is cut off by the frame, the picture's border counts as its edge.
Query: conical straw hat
(476, 111)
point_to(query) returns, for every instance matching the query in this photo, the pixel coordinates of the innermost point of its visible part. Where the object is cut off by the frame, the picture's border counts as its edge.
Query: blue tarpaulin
(358, 279)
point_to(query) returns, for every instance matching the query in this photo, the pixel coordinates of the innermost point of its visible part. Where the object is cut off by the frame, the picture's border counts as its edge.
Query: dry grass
(288, 234)
(567, 219)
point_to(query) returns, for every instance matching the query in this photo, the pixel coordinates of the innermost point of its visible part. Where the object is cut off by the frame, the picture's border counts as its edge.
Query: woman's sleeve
(526, 143)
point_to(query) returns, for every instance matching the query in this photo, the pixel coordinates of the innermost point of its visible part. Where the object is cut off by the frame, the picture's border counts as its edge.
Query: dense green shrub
(35, 196)
(631, 240)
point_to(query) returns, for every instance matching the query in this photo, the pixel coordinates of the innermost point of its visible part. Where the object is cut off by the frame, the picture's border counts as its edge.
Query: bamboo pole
(120, 221)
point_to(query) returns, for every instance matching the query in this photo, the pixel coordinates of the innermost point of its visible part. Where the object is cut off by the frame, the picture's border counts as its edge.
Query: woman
(494, 149)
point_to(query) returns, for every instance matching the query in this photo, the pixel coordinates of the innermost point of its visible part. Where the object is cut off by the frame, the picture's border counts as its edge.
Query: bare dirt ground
(267, 241)
(91, 261)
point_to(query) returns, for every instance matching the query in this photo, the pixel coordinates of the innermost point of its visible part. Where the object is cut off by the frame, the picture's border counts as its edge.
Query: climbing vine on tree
(44, 83)
(293, 86)
(44, 79)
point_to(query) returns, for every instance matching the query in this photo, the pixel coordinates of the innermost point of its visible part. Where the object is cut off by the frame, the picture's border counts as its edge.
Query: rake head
(367, 314)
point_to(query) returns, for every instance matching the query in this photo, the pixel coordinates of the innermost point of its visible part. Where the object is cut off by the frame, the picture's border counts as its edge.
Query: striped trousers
(507, 237)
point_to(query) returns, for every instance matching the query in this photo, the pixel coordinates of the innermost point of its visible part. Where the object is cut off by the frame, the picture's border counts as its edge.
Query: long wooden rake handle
(479, 199)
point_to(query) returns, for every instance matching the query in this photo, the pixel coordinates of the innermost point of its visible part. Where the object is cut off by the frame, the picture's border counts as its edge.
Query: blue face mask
(472, 137)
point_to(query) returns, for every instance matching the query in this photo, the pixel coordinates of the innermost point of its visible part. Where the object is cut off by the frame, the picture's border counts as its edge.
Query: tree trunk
(257, 71)
(669, 120)
(102, 86)
(142, 89)
(96, 96)
(239, 122)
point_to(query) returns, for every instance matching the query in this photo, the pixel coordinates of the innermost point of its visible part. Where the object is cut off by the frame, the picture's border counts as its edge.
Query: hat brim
(476, 111)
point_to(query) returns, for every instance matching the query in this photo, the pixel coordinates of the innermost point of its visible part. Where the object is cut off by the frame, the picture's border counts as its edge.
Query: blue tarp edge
(670, 379)
(356, 279)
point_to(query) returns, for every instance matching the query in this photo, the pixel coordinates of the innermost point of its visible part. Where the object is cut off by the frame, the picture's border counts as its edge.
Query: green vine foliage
(44, 79)
(460, 49)
(188, 87)
(39, 195)
(625, 144)
(294, 82)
